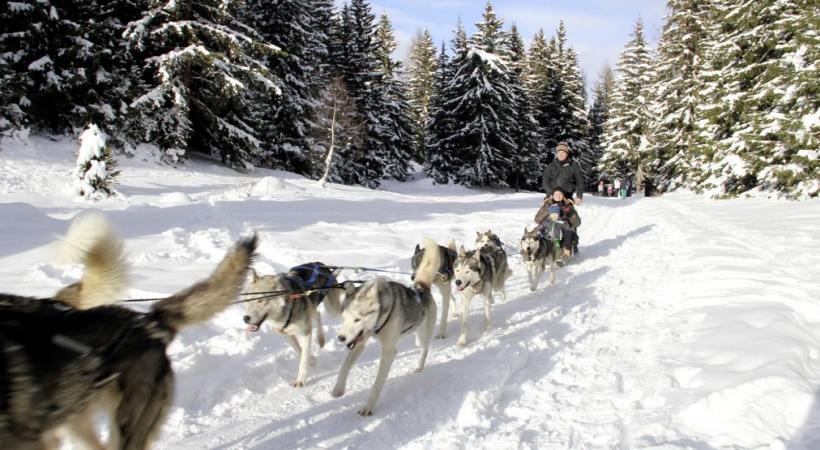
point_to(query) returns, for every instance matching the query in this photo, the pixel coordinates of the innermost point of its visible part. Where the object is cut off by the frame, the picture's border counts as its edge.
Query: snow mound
(174, 199)
(267, 187)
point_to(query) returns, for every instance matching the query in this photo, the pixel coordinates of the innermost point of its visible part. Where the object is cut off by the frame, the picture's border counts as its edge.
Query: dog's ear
(418, 249)
(477, 234)
(254, 275)
(461, 251)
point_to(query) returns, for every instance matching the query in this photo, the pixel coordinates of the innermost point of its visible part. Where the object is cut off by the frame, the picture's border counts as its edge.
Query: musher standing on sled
(564, 173)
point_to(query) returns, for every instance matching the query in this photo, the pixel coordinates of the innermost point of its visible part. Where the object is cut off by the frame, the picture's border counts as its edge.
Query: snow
(686, 323)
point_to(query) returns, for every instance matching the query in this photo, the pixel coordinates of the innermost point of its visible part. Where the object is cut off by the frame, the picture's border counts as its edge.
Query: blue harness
(312, 270)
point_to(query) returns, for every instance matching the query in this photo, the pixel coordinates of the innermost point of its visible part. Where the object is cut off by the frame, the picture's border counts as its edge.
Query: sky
(597, 29)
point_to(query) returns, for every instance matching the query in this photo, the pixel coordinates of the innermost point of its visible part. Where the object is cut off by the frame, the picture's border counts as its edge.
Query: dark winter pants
(568, 238)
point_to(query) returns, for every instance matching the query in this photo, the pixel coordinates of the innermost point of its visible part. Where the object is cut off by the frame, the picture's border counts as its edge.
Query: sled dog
(536, 250)
(60, 364)
(487, 238)
(294, 315)
(443, 280)
(480, 271)
(387, 310)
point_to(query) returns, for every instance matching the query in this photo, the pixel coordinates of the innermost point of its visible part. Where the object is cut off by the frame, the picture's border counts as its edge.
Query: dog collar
(384, 322)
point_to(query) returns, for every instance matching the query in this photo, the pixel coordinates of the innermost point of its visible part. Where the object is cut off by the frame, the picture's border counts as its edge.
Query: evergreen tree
(201, 68)
(626, 143)
(525, 170)
(285, 121)
(439, 163)
(395, 109)
(761, 127)
(677, 85)
(483, 115)
(546, 94)
(421, 72)
(96, 173)
(598, 115)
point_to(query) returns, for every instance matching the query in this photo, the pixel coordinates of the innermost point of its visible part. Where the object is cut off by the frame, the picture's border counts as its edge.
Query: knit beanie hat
(554, 209)
(562, 147)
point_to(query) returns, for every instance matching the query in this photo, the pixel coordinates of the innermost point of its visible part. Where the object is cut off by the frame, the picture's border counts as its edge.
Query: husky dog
(295, 315)
(60, 364)
(387, 311)
(480, 271)
(536, 251)
(442, 280)
(487, 238)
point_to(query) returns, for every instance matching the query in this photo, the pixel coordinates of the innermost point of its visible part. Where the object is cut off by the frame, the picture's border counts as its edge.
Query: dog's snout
(458, 282)
(341, 338)
(247, 319)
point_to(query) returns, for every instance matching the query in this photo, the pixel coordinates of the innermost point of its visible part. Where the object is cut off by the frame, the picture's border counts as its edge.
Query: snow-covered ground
(685, 324)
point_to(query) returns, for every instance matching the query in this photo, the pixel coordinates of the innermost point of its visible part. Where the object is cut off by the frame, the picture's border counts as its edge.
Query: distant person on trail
(565, 174)
(617, 185)
(601, 189)
(609, 190)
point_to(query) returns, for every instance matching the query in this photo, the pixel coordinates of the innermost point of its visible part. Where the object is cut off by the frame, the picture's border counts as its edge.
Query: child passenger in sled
(556, 229)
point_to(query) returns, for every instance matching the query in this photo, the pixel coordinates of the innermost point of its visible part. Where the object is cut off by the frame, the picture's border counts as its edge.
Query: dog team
(68, 358)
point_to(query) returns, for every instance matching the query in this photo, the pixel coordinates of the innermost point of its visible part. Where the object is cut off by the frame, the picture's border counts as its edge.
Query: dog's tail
(429, 264)
(93, 242)
(203, 300)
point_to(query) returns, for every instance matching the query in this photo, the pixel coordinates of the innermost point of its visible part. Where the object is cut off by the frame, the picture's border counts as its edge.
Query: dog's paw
(365, 412)
(338, 392)
(418, 370)
(298, 384)
(462, 341)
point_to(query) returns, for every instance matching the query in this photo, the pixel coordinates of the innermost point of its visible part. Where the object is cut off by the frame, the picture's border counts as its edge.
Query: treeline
(727, 104)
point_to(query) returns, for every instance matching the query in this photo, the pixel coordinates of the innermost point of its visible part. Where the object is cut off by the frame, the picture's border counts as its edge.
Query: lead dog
(443, 280)
(480, 271)
(295, 315)
(536, 250)
(59, 364)
(387, 311)
(488, 238)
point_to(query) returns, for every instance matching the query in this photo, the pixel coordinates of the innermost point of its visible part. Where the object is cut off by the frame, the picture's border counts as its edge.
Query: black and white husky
(480, 271)
(443, 280)
(537, 250)
(294, 315)
(387, 310)
(61, 363)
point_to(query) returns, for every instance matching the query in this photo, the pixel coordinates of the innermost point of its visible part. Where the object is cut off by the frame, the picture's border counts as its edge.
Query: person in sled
(565, 174)
(555, 229)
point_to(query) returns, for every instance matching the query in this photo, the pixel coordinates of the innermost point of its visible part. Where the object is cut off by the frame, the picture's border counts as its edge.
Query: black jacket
(567, 176)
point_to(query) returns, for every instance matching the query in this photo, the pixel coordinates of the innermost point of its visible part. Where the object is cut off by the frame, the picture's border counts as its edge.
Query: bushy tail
(93, 242)
(203, 300)
(429, 265)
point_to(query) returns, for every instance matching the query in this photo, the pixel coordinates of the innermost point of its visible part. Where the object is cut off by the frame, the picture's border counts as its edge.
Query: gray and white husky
(487, 238)
(387, 310)
(536, 250)
(480, 271)
(443, 280)
(293, 313)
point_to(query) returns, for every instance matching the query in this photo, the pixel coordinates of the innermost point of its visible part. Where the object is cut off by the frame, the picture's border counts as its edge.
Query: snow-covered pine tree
(525, 170)
(421, 72)
(598, 115)
(483, 115)
(201, 67)
(677, 85)
(574, 97)
(546, 94)
(286, 120)
(626, 143)
(49, 56)
(761, 128)
(439, 163)
(96, 173)
(395, 111)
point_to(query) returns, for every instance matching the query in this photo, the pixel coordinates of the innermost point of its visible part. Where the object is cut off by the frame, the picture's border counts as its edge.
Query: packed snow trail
(684, 324)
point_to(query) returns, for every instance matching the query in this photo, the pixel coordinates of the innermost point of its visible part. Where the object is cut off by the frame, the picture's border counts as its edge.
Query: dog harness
(305, 276)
